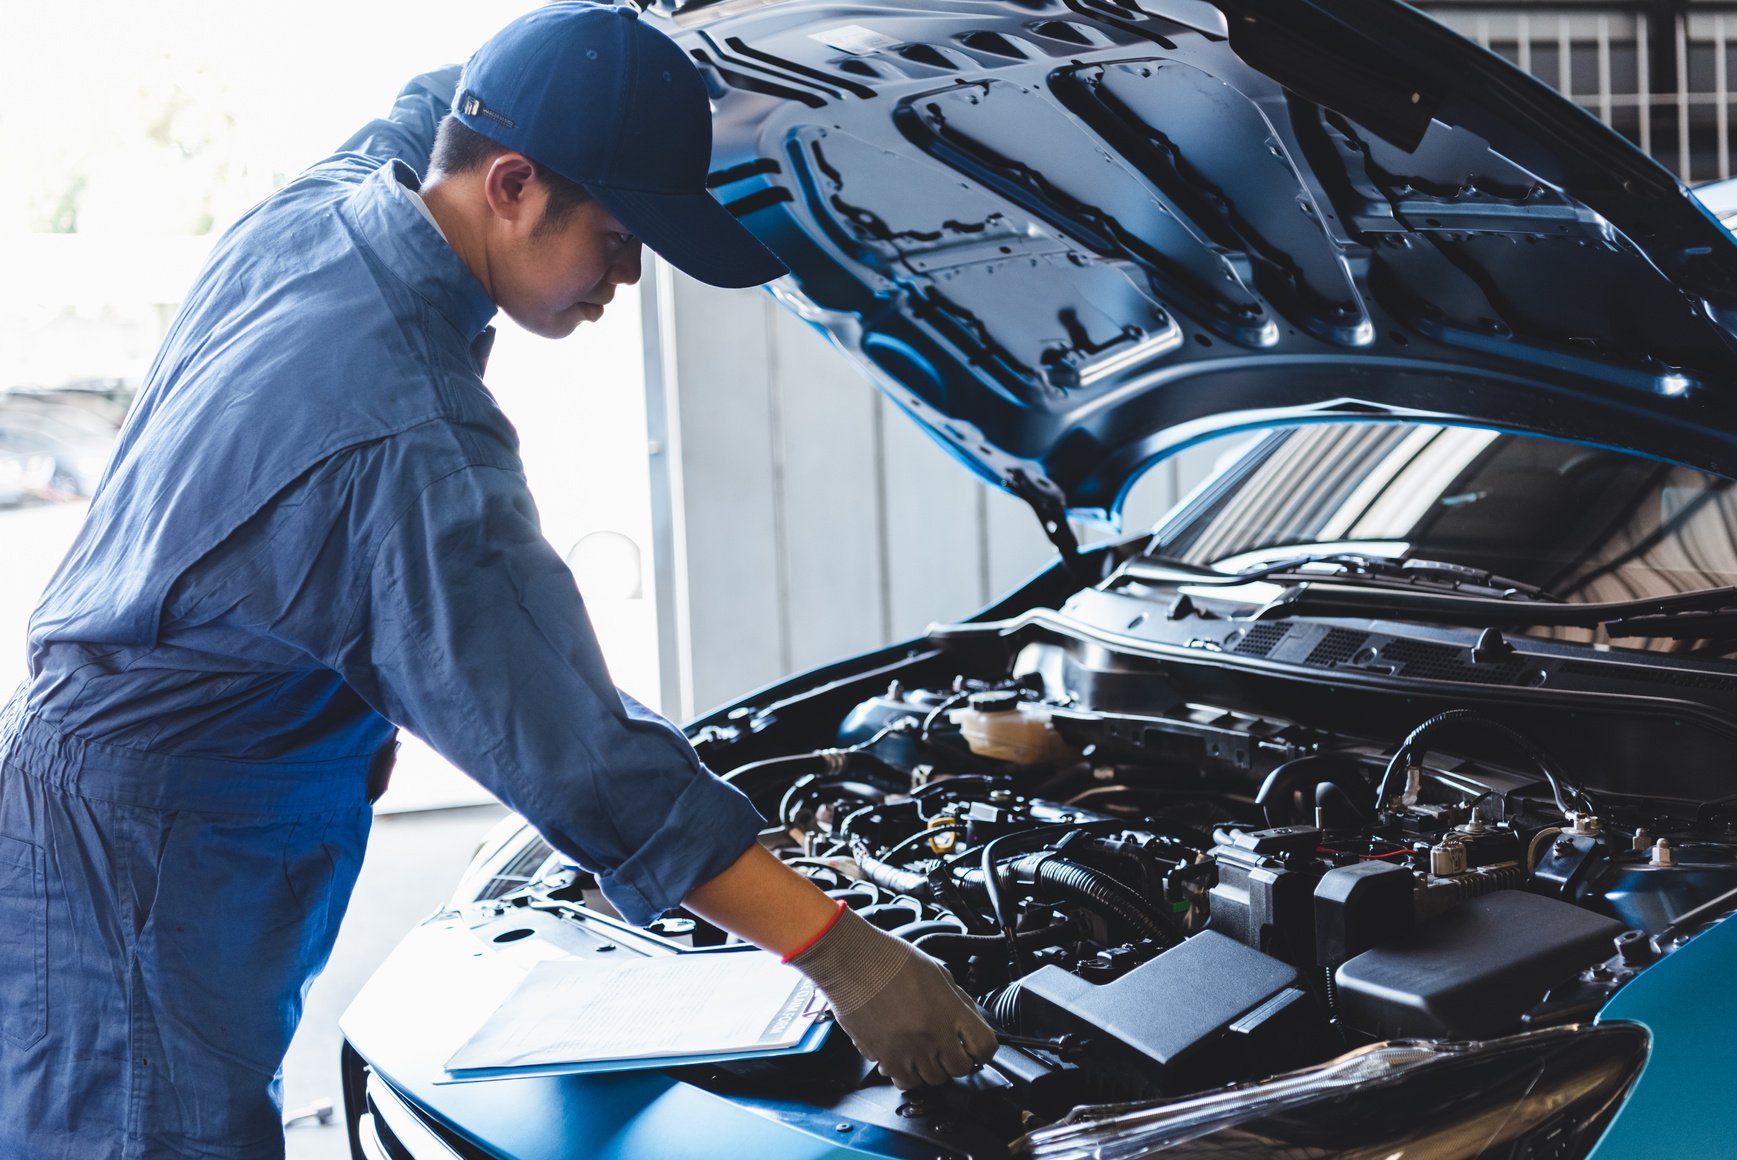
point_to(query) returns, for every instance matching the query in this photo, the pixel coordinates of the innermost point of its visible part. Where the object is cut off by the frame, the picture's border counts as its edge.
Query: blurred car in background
(55, 441)
(26, 469)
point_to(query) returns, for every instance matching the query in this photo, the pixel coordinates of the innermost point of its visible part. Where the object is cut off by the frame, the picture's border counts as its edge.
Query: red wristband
(830, 923)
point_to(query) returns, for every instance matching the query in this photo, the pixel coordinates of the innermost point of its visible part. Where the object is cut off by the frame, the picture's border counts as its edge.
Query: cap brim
(695, 234)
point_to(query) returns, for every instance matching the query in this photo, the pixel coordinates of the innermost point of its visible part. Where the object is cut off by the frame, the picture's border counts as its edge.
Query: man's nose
(624, 271)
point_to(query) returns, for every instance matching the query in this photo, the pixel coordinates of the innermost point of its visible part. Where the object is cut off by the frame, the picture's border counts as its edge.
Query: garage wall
(799, 516)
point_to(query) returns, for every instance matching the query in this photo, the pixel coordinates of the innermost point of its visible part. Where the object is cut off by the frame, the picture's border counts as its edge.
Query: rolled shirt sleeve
(471, 634)
(407, 132)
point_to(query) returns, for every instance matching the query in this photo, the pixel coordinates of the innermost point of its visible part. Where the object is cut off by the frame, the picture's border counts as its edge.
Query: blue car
(1378, 801)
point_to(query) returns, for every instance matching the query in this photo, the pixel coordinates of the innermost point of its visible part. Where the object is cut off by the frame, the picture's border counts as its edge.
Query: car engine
(1151, 895)
(1122, 913)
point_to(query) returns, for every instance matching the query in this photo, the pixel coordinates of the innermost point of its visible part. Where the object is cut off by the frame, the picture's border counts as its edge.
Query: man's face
(552, 279)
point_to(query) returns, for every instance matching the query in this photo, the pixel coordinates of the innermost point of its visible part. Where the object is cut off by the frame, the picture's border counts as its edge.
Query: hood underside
(1071, 237)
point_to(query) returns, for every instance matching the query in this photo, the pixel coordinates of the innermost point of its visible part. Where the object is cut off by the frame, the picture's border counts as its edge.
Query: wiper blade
(1646, 616)
(1445, 593)
(1692, 624)
(1358, 568)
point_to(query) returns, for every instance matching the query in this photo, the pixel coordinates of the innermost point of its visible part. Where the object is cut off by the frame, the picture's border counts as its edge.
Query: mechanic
(315, 529)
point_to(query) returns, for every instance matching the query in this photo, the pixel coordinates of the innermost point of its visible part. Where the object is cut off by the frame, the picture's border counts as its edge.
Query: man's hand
(899, 1006)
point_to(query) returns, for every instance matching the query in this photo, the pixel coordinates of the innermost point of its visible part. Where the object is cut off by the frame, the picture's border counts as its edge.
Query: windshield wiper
(1648, 616)
(1445, 593)
(1361, 569)
(1386, 571)
(1688, 624)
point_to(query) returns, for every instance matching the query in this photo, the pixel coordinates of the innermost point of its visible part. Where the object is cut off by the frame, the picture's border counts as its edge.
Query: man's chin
(558, 327)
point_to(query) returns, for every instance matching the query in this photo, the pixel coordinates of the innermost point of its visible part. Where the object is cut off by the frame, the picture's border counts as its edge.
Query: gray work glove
(899, 1006)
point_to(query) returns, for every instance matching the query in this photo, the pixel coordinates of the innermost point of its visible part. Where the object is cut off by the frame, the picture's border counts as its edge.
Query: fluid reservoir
(1003, 726)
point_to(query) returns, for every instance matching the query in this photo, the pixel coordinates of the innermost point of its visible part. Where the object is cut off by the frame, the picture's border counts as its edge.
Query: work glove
(899, 1006)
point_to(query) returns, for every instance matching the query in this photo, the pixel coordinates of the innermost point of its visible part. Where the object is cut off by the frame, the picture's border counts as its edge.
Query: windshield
(1586, 524)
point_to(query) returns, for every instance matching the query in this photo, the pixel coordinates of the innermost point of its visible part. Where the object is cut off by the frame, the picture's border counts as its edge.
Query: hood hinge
(1054, 518)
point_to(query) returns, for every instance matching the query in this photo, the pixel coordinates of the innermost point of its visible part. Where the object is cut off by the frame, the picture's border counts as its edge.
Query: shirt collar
(411, 246)
(422, 208)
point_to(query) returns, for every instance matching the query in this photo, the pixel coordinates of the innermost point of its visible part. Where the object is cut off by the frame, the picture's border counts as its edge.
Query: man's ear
(511, 189)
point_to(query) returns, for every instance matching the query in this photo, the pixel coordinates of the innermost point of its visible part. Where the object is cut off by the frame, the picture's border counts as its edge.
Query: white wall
(805, 518)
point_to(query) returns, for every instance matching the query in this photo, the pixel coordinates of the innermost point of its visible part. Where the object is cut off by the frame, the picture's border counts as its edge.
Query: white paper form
(580, 1010)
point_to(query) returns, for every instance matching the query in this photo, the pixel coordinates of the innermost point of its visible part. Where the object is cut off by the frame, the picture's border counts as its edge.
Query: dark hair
(460, 149)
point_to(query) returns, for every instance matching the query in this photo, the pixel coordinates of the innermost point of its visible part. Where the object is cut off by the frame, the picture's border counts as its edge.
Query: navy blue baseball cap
(611, 103)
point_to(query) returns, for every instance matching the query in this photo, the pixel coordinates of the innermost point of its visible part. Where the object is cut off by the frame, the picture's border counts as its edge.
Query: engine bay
(1154, 904)
(1337, 897)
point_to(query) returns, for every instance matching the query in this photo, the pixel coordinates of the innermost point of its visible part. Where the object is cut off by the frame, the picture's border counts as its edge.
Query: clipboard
(577, 1017)
(812, 1042)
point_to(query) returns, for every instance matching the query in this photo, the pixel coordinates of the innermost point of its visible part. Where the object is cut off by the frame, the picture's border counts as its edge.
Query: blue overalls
(314, 528)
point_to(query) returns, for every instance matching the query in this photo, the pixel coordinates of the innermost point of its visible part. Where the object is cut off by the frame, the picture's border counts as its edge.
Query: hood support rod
(1054, 519)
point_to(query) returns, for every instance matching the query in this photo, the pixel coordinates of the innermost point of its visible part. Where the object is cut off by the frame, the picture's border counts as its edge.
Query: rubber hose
(1403, 752)
(1004, 1006)
(887, 876)
(1335, 809)
(1092, 889)
(1098, 891)
(951, 944)
(912, 931)
(893, 913)
(1537, 756)
(1314, 770)
(775, 773)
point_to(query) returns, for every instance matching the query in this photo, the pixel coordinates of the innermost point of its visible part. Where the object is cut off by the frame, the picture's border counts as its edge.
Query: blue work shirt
(316, 527)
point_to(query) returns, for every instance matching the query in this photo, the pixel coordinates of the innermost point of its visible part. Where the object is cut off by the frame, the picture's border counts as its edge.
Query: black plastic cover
(1277, 840)
(1264, 897)
(1472, 972)
(1177, 1009)
(1361, 906)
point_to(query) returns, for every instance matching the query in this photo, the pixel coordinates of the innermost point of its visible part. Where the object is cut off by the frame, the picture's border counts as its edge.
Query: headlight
(1545, 1093)
(512, 855)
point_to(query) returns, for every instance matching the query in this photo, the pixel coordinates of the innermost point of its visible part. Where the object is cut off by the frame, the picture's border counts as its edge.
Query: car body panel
(1689, 1004)
(1069, 238)
(1720, 199)
(441, 967)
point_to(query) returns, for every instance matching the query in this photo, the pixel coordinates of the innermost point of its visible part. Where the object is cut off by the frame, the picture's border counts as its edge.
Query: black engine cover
(1198, 1014)
(1472, 972)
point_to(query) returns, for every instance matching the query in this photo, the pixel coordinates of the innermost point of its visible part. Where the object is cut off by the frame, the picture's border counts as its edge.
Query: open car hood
(1069, 237)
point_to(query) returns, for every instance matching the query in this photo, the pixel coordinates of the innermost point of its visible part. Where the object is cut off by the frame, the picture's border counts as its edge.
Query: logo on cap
(471, 106)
